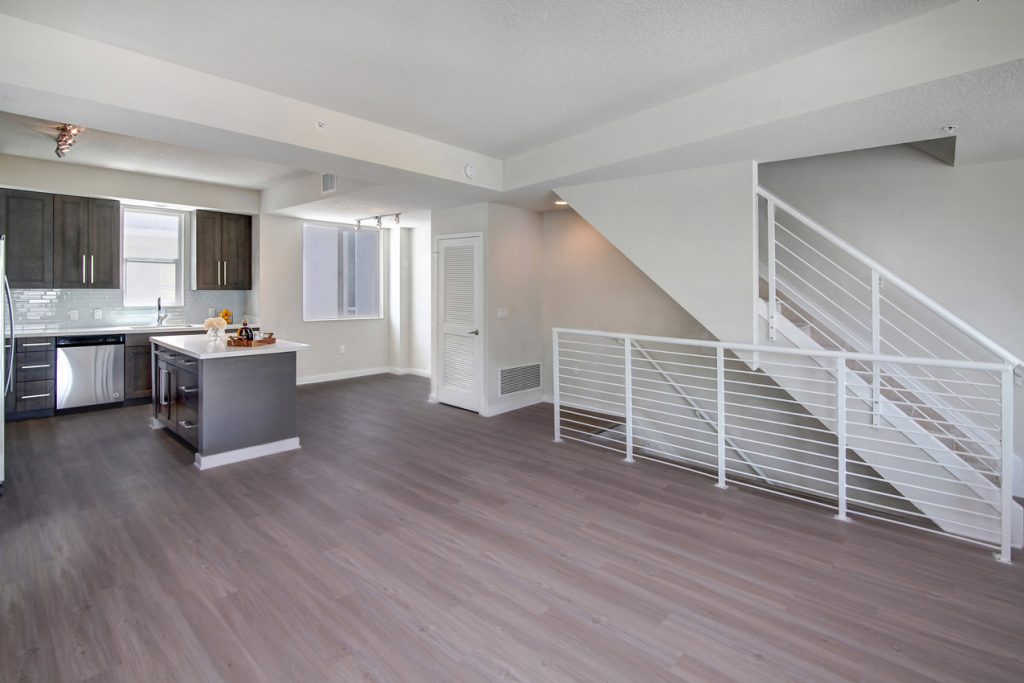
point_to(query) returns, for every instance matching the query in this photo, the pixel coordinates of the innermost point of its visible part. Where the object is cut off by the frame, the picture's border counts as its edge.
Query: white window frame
(179, 273)
(382, 247)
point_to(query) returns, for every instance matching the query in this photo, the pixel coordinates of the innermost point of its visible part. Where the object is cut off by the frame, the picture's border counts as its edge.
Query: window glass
(152, 246)
(340, 273)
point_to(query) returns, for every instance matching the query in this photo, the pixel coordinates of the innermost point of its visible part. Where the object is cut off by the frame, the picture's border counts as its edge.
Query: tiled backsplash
(49, 307)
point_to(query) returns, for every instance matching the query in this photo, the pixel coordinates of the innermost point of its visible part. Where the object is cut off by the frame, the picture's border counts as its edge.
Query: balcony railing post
(773, 304)
(876, 345)
(1006, 471)
(841, 436)
(556, 369)
(627, 348)
(720, 386)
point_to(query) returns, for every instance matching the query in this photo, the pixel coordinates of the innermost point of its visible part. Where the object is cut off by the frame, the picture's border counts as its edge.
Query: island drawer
(187, 423)
(178, 360)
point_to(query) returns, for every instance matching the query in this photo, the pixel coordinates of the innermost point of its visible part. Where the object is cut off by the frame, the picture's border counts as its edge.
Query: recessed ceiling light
(949, 130)
(561, 202)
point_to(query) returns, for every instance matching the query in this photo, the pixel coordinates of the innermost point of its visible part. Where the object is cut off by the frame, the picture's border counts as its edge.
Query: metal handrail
(891, 277)
(946, 497)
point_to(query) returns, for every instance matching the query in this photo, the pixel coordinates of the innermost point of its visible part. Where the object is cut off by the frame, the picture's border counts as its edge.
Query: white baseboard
(205, 462)
(410, 371)
(364, 372)
(512, 402)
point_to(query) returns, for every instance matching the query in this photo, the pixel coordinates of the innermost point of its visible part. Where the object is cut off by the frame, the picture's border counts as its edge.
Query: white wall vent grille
(328, 183)
(522, 378)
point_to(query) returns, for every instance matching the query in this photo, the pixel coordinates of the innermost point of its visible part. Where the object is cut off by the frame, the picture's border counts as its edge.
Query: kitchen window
(341, 272)
(153, 242)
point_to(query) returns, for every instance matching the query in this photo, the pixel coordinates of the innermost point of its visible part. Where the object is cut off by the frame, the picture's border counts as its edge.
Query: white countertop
(199, 346)
(65, 331)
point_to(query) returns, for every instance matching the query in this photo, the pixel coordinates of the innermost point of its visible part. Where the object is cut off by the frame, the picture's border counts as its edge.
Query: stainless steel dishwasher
(90, 370)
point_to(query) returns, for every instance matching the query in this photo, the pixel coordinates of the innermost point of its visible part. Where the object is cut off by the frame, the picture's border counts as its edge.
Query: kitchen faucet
(160, 315)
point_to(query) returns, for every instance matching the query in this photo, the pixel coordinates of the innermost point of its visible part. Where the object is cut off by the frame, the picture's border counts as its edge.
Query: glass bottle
(246, 332)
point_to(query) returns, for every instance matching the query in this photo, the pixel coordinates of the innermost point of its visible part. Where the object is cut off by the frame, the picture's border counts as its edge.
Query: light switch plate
(97, 314)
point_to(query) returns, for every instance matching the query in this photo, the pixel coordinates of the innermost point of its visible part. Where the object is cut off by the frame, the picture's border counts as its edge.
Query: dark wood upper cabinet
(236, 251)
(104, 244)
(70, 242)
(86, 243)
(223, 250)
(26, 219)
(206, 260)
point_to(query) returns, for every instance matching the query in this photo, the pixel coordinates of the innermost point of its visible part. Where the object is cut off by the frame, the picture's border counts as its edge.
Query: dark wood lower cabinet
(33, 391)
(138, 365)
(138, 372)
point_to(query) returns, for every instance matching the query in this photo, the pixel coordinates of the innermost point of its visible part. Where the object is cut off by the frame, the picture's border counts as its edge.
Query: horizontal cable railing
(797, 423)
(841, 299)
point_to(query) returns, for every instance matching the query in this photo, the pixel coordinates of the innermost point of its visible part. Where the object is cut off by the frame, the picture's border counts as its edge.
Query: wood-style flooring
(415, 542)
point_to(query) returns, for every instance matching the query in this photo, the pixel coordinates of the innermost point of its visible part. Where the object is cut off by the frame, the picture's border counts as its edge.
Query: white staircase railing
(845, 300)
(819, 440)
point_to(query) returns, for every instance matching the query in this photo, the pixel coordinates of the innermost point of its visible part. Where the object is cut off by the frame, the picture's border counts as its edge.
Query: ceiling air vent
(523, 378)
(328, 183)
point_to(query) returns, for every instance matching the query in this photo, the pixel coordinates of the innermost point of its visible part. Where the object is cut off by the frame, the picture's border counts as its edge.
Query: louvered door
(460, 314)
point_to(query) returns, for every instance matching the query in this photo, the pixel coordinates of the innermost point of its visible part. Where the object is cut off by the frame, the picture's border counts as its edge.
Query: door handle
(188, 390)
(477, 332)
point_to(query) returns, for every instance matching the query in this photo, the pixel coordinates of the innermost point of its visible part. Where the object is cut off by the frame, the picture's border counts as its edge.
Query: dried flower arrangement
(217, 323)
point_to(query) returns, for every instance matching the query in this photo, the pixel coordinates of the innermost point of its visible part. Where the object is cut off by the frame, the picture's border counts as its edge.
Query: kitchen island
(227, 403)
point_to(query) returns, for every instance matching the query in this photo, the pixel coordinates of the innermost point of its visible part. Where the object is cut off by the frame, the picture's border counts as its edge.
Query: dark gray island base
(228, 404)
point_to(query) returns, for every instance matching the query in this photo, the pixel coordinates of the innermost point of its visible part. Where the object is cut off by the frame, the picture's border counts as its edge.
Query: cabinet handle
(163, 387)
(218, 273)
(22, 398)
(188, 362)
(33, 367)
(83, 269)
(225, 273)
(92, 269)
(186, 424)
(35, 344)
(188, 390)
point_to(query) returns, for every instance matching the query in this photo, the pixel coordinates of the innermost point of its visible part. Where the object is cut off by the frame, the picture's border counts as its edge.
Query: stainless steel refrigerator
(6, 356)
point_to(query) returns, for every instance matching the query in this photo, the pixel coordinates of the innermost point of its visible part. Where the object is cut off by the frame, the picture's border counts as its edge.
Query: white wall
(514, 282)
(691, 231)
(420, 301)
(280, 300)
(589, 284)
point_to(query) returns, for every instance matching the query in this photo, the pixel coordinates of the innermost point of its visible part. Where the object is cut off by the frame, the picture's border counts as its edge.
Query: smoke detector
(949, 130)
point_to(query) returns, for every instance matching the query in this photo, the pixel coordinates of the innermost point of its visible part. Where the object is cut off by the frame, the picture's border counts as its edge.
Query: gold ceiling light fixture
(66, 135)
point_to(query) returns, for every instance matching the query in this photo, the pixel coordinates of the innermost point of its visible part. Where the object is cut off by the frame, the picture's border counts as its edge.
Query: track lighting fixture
(379, 219)
(66, 135)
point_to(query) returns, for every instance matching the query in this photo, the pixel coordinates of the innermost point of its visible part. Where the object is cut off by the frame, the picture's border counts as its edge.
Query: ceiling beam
(44, 70)
(957, 39)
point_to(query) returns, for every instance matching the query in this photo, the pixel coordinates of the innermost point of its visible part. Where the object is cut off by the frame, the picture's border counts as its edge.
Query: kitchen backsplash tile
(53, 307)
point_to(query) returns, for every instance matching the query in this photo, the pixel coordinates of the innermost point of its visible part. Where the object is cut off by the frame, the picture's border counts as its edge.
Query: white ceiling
(28, 137)
(495, 77)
